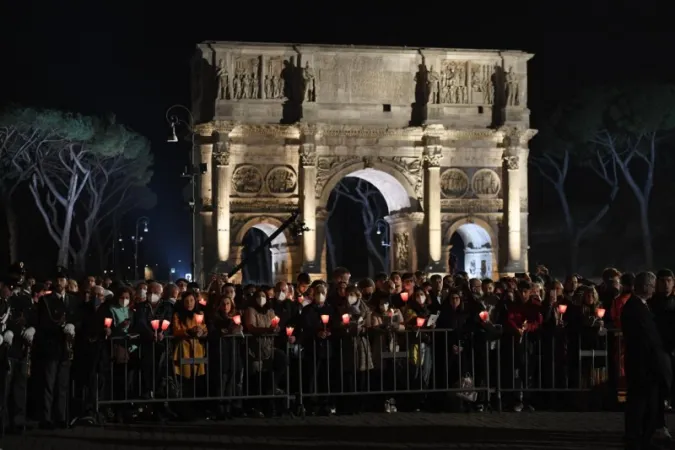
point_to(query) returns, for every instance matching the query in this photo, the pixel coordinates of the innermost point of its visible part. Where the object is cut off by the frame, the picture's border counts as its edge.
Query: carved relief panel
(452, 80)
(402, 251)
(281, 181)
(273, 83)
(247, 180)
(485, 183)
(246, 78)
(482, 84)
(454, 183)
(326, 166)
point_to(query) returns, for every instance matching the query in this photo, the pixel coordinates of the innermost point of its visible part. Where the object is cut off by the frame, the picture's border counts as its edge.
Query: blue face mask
(97, 301)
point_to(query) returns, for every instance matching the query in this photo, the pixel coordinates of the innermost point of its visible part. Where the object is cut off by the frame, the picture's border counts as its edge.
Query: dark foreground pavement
(540, 430)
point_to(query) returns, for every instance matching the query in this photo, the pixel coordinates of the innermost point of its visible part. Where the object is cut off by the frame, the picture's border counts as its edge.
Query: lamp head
(173, 137)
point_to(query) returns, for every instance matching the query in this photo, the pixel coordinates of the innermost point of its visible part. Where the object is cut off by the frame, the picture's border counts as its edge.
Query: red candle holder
(107, 322)
(562, 309)
(483, 316)
(420, 322)
(324, 319)
(199, 318)
(600, 312)
(404, 296)
(289, 331)
(345, 319)
(236, 320)
(155, 324)
(165, 325)
(275, 321)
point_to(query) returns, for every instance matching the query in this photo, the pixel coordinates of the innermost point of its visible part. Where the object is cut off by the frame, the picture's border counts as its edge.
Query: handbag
(120, 354)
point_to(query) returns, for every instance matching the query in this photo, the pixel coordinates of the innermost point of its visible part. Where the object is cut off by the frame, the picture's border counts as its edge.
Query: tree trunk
(646, 235)
(12, 230)
(575, 242)
(64, 245)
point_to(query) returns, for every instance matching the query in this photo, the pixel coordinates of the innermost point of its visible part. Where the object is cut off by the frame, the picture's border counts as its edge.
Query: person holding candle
(385, 326)
(407, 290)
(354, 346)
(189, 351)
(523, 319)
(267, 364)
(420, 357)
(316, 338)
(225, 355)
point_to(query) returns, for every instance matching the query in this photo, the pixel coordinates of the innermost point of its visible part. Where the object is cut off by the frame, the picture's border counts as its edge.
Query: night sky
(131, 59)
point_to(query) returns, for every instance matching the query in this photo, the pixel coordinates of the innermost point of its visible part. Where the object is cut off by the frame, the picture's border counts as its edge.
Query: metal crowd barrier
(386, 364)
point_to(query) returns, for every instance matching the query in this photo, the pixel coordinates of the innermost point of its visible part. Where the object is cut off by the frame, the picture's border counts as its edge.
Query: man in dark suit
(647, 365)
(58, 316)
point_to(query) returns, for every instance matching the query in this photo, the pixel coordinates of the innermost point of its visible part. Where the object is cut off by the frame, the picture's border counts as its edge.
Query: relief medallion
(454, 183)
(247, 180)
(281, 181)
(485, 183)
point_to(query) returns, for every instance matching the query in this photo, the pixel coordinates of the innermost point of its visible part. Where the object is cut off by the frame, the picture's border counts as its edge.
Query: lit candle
(324, 319)
(236, 320)
(275, 321)
(155, 324)
(289, 331)
(420, 322)
(165, 325)
(600, 313)
(483, 316)
(404, 296)
(345, 319)
(562, 309)
(199, 318)
(107, 322)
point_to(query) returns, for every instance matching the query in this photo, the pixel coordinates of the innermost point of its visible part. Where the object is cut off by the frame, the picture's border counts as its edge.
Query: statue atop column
(309, 83)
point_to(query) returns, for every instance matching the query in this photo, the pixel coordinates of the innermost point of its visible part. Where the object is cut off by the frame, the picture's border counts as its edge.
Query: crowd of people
(105, 349)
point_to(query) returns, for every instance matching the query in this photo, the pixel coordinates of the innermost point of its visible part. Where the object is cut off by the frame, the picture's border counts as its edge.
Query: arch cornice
(346, 170)
(251, 223)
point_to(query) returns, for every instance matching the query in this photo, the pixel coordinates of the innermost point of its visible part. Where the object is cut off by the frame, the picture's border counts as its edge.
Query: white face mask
(281, 296)
(154, 298)
(144, 293)
(421, 300)
(322, 298)
(262, 301)
(125, 302)
(352, 299)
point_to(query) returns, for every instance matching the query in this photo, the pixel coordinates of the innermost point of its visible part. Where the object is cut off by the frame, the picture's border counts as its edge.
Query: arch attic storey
(441, 133)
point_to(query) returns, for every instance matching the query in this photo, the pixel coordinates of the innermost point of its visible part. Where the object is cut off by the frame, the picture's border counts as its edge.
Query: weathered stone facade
(442, 133)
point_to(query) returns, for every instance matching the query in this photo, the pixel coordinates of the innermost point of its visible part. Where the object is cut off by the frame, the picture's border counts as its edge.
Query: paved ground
(539, 430)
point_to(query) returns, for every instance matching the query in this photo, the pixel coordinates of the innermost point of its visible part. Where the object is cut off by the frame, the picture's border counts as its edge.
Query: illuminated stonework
(281, 125)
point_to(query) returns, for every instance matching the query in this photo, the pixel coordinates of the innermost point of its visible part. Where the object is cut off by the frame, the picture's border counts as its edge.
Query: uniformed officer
(5, 293)
(18, 338)
(58, 316)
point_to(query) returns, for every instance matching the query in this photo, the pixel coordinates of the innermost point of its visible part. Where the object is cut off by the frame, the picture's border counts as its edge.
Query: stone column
(511, 173)
(223, 185)
(206, 153)
(432, 157)
(308, 196)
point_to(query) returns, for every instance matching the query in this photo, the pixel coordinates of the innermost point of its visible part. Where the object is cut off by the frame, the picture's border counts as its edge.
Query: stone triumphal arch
(441, 133)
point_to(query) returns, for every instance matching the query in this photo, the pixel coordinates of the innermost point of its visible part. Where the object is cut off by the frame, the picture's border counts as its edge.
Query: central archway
(274, 262)
(357, 200)
(472, 246)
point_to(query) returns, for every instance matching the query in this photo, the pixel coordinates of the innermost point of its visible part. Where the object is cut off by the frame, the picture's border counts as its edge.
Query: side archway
(479, 252)
(392, 184)
(282, 260)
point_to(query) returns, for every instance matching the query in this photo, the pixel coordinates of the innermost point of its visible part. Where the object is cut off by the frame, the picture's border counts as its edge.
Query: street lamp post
(190, 172)
(383, 232)
(144, 221)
